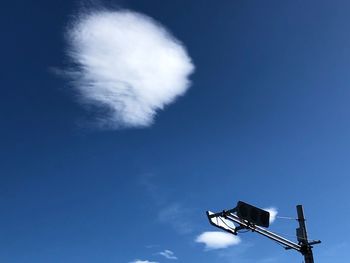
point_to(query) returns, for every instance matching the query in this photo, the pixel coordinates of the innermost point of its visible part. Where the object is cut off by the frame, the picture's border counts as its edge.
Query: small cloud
(168, 254)
(217, 240)
(273, 213)
(126, 64)
(143, 261)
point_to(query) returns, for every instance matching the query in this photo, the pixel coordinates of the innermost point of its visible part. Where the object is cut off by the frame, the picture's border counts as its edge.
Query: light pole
(246, 216)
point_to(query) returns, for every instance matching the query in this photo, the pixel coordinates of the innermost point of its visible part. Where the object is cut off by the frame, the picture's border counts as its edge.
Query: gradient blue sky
(266, 121)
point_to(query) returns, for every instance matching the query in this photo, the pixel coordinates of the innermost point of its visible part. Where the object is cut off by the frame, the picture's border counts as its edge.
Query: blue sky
(265, 120)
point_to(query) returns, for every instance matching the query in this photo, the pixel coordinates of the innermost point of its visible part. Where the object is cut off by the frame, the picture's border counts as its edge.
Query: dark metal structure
(245, 216)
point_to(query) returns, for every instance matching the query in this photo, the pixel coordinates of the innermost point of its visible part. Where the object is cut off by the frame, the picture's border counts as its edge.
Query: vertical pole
(302, 236)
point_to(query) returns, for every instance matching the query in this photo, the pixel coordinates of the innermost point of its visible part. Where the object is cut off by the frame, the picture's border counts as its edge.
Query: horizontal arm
(234, 218)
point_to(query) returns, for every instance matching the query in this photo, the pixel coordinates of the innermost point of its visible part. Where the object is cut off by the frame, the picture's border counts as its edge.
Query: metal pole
(306, 248)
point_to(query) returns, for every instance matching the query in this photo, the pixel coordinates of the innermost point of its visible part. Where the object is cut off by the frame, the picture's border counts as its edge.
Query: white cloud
(273, 213)
(127, 64)
(168, 254)
(217, 240)
(142, 261)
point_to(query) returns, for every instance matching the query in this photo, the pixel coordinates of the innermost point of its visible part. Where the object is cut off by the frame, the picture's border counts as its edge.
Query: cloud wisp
(176, 215)
(143, 261)
(126, 64)
(217, 240)
(168, 254)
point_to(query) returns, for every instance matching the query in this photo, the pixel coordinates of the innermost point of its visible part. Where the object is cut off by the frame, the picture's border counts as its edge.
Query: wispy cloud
(127, 64)
(153, 190)
(168, 254)
(273, 213)
(217, 240)
(151, 246)
(142, 261)
(176, 215)
(169, 212)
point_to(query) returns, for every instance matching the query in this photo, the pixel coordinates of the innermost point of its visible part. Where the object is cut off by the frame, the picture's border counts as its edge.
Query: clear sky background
(266, 121)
